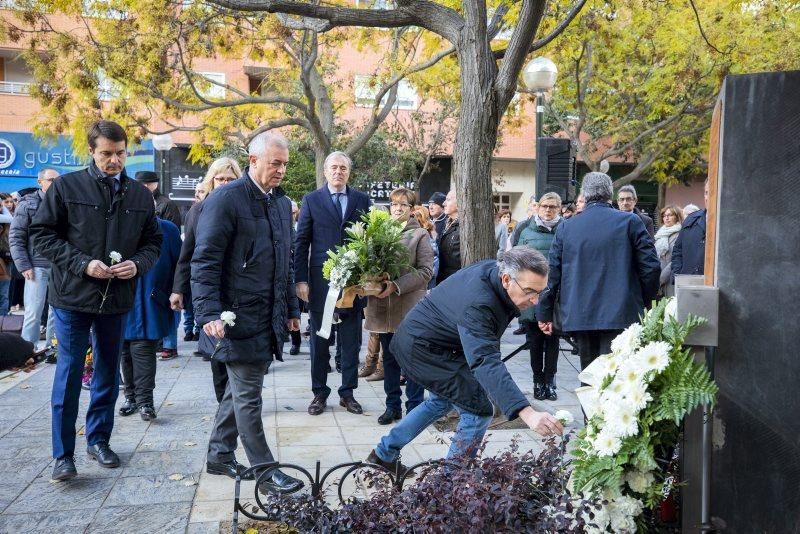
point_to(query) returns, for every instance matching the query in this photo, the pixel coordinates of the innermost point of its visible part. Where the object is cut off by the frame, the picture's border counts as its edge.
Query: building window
(502, 201)
(208, 89)
(366, 88)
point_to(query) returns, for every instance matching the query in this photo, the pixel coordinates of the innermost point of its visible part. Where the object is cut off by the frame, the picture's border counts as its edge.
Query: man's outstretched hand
(541, 422)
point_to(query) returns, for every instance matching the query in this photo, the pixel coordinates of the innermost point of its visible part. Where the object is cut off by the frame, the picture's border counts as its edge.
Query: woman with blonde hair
(671, 221)
(220, 172)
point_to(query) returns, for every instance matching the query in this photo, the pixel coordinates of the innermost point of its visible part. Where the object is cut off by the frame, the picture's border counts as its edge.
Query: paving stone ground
(143, 495)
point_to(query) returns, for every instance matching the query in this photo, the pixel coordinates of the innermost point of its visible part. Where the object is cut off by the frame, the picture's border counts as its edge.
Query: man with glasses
(449, 343)
(33, 266)
(627, 199)
(604, 270)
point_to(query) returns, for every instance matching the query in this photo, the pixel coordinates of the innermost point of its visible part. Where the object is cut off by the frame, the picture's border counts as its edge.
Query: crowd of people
(108, 271)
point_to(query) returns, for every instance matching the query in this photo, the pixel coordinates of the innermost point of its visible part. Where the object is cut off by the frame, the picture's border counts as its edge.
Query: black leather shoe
(521, 330)
(103, 454)
(147, 413)
(280, 483)
(351, 405)
(395, 468)
(128, 407)
(539, 391)
(317, 406)
(229, 469)
(64, 469)
(189, 337)
(389, 416)
(295, 350)
(550, 392)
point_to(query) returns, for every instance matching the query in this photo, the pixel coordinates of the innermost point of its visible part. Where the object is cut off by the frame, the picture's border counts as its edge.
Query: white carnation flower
(639, 481)
(115, 256)
(654, 356)
(565, 416)
(671, 311)
(228, 317)
(606, 443)
(628, 341)
(629, 373)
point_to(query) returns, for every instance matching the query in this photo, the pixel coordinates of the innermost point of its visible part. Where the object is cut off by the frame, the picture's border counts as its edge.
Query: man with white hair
(242, 264)
(603, 269)
(324, 216)
(449, 343)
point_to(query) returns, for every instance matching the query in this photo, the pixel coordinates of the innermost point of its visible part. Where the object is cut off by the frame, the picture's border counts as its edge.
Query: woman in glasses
(544, 349)
(386, 311)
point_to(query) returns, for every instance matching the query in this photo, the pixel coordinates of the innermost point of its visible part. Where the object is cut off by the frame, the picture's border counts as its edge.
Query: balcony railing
(15, 88)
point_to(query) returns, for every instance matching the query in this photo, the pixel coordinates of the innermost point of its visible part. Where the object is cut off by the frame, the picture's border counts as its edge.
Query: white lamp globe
(540, 75)
(163, 142)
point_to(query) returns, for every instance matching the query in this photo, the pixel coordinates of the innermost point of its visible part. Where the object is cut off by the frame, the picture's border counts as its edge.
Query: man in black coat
(98, 229)
(242, 264)
(449, 241)
(450, 344)
(603, 270)
(689, 252)
(626, 200)
(436, 209)
(325, 215)
(166, 208)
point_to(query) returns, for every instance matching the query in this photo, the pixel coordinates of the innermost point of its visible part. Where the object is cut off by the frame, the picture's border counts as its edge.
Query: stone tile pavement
(162, 485)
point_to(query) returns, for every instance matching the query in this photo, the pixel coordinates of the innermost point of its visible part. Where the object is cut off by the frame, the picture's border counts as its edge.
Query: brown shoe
(395, 468)
(377, 376)
(351, 405)
(317, 406)
(373, 353)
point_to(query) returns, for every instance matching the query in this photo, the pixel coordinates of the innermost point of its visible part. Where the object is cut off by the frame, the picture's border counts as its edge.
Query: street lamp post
(539, 77)
(163, 143)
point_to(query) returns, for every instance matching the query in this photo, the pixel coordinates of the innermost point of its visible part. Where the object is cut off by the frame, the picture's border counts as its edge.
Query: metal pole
(705, 473)
(539, 115)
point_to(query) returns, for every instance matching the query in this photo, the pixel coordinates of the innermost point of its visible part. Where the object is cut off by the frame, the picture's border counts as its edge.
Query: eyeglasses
(529, 292)
(400, 205)
(223, 179)
(626, 199)
(549, 206)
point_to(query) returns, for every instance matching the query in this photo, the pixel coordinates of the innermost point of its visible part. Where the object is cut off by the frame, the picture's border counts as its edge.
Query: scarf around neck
(662, 238)
(547, 224)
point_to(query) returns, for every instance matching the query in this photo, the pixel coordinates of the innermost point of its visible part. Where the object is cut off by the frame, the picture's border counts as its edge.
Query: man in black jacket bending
(450, 344)
(98, 228)
(242, 263)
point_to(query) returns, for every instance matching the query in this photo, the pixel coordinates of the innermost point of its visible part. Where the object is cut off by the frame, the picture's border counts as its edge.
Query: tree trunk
(476, 138)
(319, 163)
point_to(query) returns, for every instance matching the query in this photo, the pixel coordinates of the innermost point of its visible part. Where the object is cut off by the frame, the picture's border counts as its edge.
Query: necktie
(338, 202)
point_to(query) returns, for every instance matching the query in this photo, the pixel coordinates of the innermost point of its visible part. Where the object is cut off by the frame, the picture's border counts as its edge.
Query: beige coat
(385, 315)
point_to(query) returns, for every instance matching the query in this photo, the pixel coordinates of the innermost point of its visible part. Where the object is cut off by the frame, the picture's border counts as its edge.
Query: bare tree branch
(539, 43)
(528, 23)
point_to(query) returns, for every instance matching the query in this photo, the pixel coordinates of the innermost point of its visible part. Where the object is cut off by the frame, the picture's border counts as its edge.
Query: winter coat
(501, 237)
(385, 315)
(78, 221)
(151, 316)
(25, 258)
(320, 229)
(603, 266)
(167, 209)
(648, 222)
(242, 263)
(183, 269)
(449, 251)
(689, 252)
(521, 226)
(450, 342)
(540, 238)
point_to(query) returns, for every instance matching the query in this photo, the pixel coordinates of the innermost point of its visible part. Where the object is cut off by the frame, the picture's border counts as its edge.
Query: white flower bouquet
(635, 400)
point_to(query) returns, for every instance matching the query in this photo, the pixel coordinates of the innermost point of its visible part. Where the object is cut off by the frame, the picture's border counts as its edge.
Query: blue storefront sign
(22, 156)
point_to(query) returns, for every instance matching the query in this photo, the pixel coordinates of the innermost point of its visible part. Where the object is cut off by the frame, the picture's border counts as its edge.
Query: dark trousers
(349, 335)
(239, 416)
(415, 393)
(139, 370)
(544, 355)
(593, 343)
(219, 373)
(72, 333)
(295, 335)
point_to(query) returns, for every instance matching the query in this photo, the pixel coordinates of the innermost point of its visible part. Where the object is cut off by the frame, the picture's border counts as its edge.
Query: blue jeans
(188, 316)
(35, 300)
(5, 287)
(465, 442)
(72, 333)
(415, 393)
